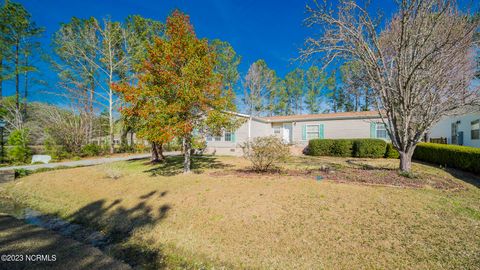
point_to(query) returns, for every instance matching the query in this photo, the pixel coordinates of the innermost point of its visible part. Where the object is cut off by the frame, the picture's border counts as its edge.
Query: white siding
(257, 129)
(336, 129)
(444, 128)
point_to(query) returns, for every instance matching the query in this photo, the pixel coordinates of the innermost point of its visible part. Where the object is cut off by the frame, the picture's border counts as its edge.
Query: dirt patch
(393, 178)
(367, 176)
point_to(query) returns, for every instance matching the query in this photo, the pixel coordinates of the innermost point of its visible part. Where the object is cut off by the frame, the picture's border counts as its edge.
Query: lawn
(361, 215)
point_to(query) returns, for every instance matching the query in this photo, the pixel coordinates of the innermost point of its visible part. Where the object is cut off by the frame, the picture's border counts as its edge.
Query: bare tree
(420, 66)
(258, 84)
(66, 127)
(12, 114)
(96, 54)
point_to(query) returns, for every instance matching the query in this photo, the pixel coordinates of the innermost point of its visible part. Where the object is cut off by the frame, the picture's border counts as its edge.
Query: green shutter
(304, 132)
(373, 130)
(233, 136)
(321, 133)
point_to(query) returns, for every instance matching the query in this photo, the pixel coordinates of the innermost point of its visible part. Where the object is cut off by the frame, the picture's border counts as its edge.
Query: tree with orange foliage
(178, 90)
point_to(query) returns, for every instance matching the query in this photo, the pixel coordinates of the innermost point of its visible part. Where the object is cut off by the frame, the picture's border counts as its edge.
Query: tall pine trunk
(187, 146)
(110, 113)
(1, 76)
(17, 77)
(25, 90)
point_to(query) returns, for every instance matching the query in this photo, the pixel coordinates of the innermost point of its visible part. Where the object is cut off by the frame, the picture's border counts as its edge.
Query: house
(298, 129)
(462, 129)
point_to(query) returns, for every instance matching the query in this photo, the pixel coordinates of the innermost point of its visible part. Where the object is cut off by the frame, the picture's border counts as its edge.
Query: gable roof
(323, 116)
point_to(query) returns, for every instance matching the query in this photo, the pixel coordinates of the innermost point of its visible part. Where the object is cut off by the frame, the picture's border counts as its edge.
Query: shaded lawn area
(21, 239)
(222, 215)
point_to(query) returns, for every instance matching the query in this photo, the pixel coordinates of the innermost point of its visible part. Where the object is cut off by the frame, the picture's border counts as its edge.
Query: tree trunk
(25, 90)
(1, 77)
(132, 145)
(110, 117)
(17, 78)
(159, 147)
(187, 146)
(123, 138)
(155, 157)
(91, 111)
(406, 161)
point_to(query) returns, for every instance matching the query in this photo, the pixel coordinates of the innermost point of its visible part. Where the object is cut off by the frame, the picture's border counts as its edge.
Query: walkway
(76, 163)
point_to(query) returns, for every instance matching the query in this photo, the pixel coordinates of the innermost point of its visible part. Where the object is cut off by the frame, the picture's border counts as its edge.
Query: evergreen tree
(18, 37)
(295, 84)
(315, 82)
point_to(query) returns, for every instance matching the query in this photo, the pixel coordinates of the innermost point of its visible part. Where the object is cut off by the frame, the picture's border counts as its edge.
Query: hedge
(455, 156)
(391, 152)
(369, 148)
(373, 148)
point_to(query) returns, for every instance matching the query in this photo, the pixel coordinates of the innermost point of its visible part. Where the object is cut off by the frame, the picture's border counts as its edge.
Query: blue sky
(270, 30)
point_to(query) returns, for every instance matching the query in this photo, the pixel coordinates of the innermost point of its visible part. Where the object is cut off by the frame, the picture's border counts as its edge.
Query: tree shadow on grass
(173, 165)
(107, 226)
(118, 223)
(23, 239)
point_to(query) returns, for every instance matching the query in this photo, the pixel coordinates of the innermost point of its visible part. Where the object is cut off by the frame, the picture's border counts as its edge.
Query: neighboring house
(299, 129)
(461, 129)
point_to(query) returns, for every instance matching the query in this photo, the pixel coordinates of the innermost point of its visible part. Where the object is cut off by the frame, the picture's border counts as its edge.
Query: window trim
(383, 129)
(475, 122)
(280, 129)
(225, 136)
(317, 132)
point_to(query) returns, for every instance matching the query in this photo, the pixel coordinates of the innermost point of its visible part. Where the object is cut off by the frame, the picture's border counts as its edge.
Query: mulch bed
(381, 177)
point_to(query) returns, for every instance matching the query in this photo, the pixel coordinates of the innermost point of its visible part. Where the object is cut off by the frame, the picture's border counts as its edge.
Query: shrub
(374, 148)
(56, 151)
(319, 147)
(91, 150)
(369, 148)
(460, 157)
(19, 173)
(391, 152)
(265, 152)
(342, 148)
(19, 152)
(330, 147)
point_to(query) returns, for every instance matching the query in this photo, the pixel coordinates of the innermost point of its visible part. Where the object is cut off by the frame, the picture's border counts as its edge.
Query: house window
(381, 131)
(312, 132)
(209, 138)
(475, 133)
(277, 130)
(228, 136)
(218, 138)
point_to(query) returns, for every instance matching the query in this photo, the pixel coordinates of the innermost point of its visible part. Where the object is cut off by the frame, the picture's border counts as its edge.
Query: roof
(322, 116)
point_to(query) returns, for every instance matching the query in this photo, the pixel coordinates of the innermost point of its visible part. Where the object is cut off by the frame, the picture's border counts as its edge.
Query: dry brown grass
(268, 221)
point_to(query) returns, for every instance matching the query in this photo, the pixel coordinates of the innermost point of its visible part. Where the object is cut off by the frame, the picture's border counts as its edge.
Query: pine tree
(315, 82)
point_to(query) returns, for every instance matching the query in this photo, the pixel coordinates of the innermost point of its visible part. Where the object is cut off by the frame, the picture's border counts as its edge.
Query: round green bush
(91, 149)
(391, 152)
(319, 147)
(369, 148)
(342, 148)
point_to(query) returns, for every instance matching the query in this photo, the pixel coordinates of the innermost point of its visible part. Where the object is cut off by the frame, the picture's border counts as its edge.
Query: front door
(287, 133)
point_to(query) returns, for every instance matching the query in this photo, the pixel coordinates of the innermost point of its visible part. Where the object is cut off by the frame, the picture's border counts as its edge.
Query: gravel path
(76, 163)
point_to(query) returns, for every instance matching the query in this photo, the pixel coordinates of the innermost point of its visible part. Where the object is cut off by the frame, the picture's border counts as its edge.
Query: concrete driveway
(76, 163)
